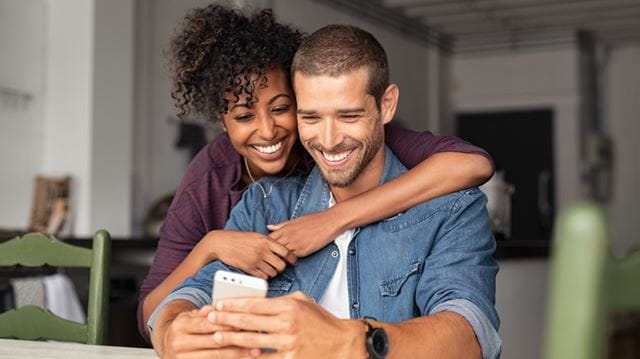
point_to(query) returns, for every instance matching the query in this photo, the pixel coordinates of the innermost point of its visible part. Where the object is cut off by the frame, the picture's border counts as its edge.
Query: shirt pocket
(398, 293)
(391, 287)
(281, 284)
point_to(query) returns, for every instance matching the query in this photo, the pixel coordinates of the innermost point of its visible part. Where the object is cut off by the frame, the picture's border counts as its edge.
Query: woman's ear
(389, 103)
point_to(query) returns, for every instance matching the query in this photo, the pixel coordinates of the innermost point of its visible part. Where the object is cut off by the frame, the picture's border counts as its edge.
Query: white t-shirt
(336, 296)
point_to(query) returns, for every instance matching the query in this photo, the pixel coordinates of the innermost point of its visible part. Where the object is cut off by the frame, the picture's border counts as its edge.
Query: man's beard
(346, 177)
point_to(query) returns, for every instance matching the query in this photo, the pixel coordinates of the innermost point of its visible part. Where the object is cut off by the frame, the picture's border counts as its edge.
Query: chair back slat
(587, 284)
(36, 250)
(98, 305)
(49, 326)
(33, 250)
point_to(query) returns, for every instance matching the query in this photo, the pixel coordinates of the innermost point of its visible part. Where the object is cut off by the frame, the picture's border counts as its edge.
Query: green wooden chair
(588, 285)
(36, 250)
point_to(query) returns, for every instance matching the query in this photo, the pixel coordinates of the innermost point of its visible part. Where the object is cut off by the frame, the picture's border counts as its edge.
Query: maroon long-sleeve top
(212, 185)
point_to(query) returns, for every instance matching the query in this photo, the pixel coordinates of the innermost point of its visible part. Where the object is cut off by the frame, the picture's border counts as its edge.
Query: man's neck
(369, 178)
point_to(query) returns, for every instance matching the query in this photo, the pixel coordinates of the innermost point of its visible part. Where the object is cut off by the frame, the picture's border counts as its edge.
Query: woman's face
(266, 132)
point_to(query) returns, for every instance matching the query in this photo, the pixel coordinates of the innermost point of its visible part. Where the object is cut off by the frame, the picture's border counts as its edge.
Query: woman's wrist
(210, 248)
(341, 217)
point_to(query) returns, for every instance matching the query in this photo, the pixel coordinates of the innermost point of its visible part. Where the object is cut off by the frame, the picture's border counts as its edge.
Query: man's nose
(329, 137)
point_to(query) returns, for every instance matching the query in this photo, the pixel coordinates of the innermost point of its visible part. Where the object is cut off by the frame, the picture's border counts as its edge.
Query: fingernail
(212, 317)
(219, 305)
(217, 337)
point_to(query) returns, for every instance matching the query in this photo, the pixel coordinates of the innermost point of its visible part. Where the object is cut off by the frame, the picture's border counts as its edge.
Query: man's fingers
(196, 325)
(254, 340)
(260, 306)
(189, 343)
(250, 322)
(223, 353)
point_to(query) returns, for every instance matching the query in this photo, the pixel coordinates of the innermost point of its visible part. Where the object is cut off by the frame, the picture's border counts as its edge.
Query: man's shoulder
(449, 203)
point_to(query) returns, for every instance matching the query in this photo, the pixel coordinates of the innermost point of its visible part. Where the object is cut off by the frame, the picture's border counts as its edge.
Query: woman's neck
(289, 167)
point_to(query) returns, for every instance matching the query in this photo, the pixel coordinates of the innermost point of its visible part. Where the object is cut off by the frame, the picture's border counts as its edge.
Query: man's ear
(389, 103)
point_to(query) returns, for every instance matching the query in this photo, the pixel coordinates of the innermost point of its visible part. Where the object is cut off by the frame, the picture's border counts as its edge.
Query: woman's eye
(243, 118)
(280, 109)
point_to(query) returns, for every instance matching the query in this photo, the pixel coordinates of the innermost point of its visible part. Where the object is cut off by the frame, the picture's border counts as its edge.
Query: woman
(234, 69)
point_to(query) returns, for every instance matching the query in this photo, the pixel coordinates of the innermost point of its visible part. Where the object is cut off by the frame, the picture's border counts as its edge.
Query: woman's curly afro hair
(221, 50)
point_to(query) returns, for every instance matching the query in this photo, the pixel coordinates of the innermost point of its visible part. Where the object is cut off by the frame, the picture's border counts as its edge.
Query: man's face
(339, 124)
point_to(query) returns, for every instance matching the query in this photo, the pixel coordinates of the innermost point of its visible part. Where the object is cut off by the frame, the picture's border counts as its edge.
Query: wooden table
(16, 349)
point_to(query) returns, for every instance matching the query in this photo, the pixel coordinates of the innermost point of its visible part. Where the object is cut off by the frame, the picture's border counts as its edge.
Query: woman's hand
(253, 253)
(307, 234)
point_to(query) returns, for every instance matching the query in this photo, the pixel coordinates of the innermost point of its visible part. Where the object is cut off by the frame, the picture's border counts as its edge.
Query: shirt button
(352, 251)
(334, 254)
(355, 305)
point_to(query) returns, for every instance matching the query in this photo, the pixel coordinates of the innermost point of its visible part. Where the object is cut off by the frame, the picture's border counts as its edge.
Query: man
(423, 279)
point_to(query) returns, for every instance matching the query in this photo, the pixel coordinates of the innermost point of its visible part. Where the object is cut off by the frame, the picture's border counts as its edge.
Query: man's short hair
(336, 50)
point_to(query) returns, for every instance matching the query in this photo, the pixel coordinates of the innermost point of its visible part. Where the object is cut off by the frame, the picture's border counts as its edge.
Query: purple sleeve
(413, 147)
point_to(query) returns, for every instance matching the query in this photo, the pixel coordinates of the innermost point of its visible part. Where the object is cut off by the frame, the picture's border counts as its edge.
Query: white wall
(68, 109)
(499, 82)
(89, 111)
(76, 58)
(22, 45)
(113, 103)
(621, 115)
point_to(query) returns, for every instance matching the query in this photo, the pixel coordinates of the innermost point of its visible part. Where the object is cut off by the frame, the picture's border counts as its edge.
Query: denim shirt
(433, 257)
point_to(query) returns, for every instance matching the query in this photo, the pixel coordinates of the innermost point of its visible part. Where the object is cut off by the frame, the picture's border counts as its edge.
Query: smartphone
(235, 285)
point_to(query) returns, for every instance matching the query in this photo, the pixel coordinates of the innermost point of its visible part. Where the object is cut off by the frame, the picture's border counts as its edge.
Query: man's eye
(350, 117)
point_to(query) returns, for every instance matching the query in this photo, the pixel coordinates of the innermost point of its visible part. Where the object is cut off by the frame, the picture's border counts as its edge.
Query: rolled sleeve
(196, 296)
(490, 342)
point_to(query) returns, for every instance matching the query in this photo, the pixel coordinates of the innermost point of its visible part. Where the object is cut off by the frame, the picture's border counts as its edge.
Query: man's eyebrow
(351, 110)
(274, 98)
(306, 112)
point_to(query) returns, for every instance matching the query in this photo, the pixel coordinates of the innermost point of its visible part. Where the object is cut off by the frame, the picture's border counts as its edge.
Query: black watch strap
(376, 340)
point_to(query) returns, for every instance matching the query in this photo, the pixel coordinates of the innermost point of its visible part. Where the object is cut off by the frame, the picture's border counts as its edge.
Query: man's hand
(190, 335)
(293, 325)
(307, 234)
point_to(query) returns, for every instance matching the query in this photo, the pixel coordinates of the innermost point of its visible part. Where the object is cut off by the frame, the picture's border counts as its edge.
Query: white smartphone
(235, 285)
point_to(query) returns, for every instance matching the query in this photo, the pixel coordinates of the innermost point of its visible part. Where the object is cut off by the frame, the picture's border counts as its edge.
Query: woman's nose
(267, 128)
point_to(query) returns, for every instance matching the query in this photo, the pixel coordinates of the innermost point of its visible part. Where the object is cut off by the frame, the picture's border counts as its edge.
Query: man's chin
(337, 179)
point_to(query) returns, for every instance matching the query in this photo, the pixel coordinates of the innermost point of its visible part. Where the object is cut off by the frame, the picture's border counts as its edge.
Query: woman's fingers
(275, 261)
(282, 252)
(267, 269)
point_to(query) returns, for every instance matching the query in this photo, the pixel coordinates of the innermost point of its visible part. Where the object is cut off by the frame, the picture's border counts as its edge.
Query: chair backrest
(36, 250)
(588, 284)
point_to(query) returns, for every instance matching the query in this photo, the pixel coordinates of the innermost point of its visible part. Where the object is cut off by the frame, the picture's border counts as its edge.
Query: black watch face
(379, 342)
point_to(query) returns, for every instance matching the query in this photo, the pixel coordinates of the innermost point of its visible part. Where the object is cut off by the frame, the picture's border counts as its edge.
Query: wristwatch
(376, 341)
